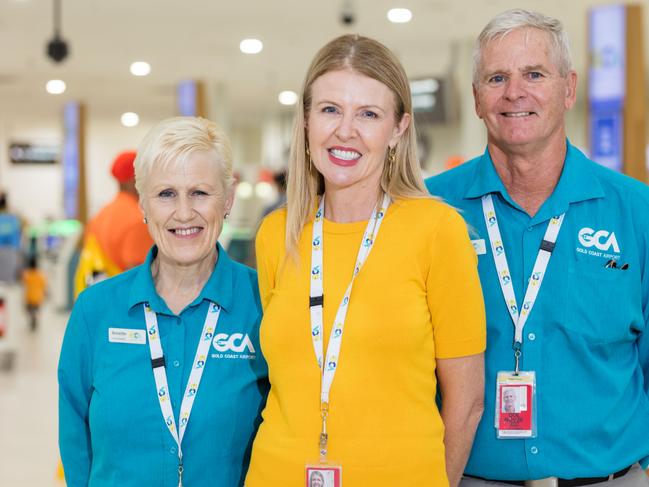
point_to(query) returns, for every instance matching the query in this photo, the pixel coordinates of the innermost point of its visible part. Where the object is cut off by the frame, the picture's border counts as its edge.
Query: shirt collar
(218, 288)
(577, 183)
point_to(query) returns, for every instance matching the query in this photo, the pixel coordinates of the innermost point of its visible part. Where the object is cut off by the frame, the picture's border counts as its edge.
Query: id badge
(516, 405)
(324, 475)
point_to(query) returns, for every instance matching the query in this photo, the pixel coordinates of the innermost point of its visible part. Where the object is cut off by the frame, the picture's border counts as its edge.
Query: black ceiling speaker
(57, 48)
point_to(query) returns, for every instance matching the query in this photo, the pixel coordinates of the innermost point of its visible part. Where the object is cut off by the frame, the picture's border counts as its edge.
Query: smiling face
(509, 400)
(520, 93)
(316, 480)
(350, 126)
(185, 204)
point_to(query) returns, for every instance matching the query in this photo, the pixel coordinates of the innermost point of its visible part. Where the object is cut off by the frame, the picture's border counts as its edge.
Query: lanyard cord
(160, 374)
(327, 364)
(519, 316)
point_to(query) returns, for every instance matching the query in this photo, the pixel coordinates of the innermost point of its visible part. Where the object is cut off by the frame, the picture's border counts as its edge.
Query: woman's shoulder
(110, 290)
(271, 236)
(274, 223)
(427, 212)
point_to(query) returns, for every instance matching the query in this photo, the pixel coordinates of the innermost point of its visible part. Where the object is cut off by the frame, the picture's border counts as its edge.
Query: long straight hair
(402, 179)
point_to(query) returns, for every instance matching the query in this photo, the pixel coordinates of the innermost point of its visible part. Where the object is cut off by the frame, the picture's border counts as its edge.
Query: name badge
(479, 246)
(516, 405)
(324, 475)
(127, 335)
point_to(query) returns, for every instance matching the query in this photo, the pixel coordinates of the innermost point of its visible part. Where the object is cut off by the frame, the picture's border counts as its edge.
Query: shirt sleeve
(75, 391)
(266, 246)
(454, 293)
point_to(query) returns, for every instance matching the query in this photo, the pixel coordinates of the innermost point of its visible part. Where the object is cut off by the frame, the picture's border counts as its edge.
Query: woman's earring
(226, 215)
(145, 220)
(308, 156)
(392, 158)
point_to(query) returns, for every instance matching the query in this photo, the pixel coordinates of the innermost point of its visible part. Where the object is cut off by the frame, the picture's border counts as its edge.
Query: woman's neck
(350, 205)
(178, 285)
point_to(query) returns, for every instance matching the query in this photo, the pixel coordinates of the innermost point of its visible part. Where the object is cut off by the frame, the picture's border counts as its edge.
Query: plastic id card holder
(516, 405)
(324, 475)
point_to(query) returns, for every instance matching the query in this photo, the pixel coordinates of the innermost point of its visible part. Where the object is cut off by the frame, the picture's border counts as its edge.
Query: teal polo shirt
(111, 430)
(586, 338)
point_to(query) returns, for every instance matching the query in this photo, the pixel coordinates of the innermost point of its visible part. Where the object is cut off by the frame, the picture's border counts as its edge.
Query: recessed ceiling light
(399, 15)
(55, 86)
(287, 97)
(263, 190)
(244, 190)
(251, 46)
(130, 119)
(140, 68)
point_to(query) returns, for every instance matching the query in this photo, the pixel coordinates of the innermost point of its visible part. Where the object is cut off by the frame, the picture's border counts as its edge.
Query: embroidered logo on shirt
(236, 345)
(127, 335)
(598, 243)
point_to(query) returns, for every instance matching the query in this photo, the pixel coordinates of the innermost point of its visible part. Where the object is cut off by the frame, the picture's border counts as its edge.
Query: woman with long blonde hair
(370, 294)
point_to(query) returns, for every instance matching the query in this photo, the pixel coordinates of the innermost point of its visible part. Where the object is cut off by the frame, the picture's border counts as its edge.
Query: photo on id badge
(515, 409)
(322, 476)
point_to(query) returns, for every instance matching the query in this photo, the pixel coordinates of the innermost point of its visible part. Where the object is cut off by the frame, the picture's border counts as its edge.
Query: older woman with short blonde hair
(161, 376)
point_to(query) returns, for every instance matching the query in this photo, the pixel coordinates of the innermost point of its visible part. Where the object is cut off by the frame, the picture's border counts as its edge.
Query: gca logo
(600, 239)
(237, 342)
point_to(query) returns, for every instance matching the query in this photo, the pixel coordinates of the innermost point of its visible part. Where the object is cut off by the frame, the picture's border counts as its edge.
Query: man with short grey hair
(563, 256)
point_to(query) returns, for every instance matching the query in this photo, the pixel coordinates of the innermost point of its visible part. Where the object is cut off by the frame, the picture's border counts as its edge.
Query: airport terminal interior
(83, 80)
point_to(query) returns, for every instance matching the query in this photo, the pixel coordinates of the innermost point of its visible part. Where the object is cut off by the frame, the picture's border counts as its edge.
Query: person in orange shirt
(34, 284)
(116, 238)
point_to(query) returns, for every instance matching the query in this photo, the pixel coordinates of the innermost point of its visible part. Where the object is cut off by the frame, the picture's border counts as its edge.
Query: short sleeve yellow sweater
(416, 299)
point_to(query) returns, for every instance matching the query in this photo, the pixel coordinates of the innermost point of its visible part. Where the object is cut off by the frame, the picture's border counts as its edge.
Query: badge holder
(515, 416)
(324, 473)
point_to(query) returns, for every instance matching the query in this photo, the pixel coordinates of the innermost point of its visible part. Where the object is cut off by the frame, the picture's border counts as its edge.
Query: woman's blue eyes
(364, 114)
(167, 193)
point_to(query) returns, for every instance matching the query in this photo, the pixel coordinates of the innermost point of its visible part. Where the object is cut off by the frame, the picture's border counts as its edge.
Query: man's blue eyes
(531, 75)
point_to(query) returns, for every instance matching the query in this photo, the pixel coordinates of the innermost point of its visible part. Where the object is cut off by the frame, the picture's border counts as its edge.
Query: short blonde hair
(514, 19)
(174, 140)
(372, 59)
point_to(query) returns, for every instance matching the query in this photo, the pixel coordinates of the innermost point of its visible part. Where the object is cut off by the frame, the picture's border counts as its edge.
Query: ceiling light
(130, 119)
(264, 190)
(244, 190)
(140, 68)
(55, 86)
(287, 97)
(399, 15)
(251, 46)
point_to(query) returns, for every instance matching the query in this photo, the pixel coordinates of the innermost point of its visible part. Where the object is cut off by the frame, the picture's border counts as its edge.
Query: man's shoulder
(454, 182)
(613, 181)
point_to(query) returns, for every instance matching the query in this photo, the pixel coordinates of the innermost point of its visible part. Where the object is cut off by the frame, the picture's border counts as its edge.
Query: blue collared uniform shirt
(111, 429)
(586, 337)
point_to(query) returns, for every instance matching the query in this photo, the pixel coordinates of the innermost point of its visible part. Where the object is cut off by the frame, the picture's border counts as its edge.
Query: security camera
(347, 14)
(57, 49)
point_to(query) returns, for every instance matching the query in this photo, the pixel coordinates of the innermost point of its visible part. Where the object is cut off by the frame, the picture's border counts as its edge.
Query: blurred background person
(181, 330)
(34, 285)
(116, 239)
(10, 235)
(414, 317)
(279, 178)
